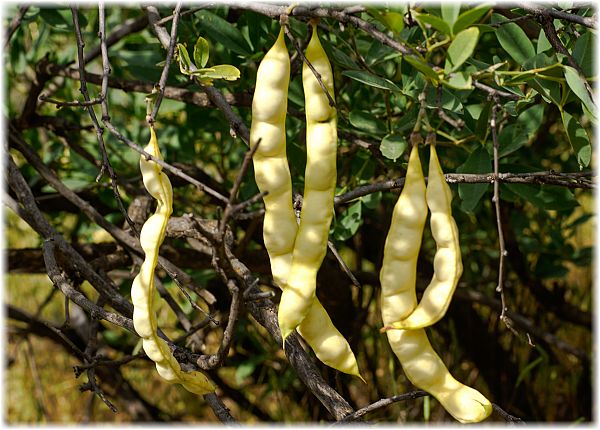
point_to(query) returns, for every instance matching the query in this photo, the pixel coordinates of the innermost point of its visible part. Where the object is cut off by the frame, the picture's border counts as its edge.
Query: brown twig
(275, 11)
(577, 19)
(15, 23)
(165, 72)
(221, 411)
(106, 165)
(493, 92)
(381, 404)
(568, 180)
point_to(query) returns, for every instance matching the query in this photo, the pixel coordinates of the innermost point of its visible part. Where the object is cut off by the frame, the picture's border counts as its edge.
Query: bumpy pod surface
(143, 292)
(421, 364)
(272, 174)
(447, 262)
(319, 187)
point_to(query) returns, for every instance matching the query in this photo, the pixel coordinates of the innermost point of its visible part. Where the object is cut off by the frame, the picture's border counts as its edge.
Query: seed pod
(447, 262)
(319, 187)
(143, 292)
(272, 174)
(422, 366)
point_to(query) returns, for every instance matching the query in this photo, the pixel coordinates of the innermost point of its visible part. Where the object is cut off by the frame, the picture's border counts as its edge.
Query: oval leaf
(437, 23)
(201, 52)
(578, 86)
(469, 17)
(513, 40)
(224, 32)
(371, 80)
(393, 146)
(578, 138)
(366, 121)
(461, 48)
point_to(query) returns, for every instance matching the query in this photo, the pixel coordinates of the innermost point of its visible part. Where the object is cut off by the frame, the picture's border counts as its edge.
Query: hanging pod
(447, 262)
(280, 228)
(422, 366)
(319, 187)
(143, 291)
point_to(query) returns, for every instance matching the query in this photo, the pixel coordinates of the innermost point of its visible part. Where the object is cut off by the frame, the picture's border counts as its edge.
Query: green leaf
(469, 17)
(549, 90)
(459, 81)
(583, 53)
(343, 59)
(223, 32)
(393, 20)
(448, 101)
(513, 40)
(393, 146)
(222, 71)
(515, 135)
(184, 59)
(479, 161)
(349, 222)
(55, 19)
(243, 370)
(543, 44)
(578, 139)
(371, 80)
(201, 52)
(577, 85)
(461, 48)
(366, 122)
(437, 23)
(450, 11)
(422, 67)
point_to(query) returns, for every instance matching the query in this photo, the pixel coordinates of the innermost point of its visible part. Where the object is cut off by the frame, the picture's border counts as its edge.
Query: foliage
(474, 74)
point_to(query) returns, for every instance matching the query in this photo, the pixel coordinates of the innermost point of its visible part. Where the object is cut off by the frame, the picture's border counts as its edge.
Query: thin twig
(381, 404)
(567, 180)
(230, 207)
(76, 103)
(493, 92)
(162, 83)
(496, 200)
(219, 408)
(99, 131)
(163, 164)
(577, 19)
(15, 23)
(37, 383)
(507, 417)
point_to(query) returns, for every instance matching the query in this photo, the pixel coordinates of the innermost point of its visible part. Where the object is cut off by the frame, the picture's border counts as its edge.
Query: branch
(99, 131)
(15, 23)
(381, 404)
(165, 72)
(577, 19)
(343, 16)
(568, 180)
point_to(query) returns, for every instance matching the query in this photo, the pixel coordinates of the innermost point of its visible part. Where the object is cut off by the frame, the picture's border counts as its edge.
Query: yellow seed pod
(422, 366)
(143, 291)
(447, 262)
(319, 187)
(272, 174)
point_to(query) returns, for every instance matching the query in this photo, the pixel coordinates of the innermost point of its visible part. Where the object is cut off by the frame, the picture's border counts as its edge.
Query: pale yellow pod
(319, 188)
(272, 174)
(422, 366)
(401, 249)
(143, 292)
(447, 261)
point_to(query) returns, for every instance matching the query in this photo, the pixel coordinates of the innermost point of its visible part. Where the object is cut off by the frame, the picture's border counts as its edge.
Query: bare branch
(533, 8)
